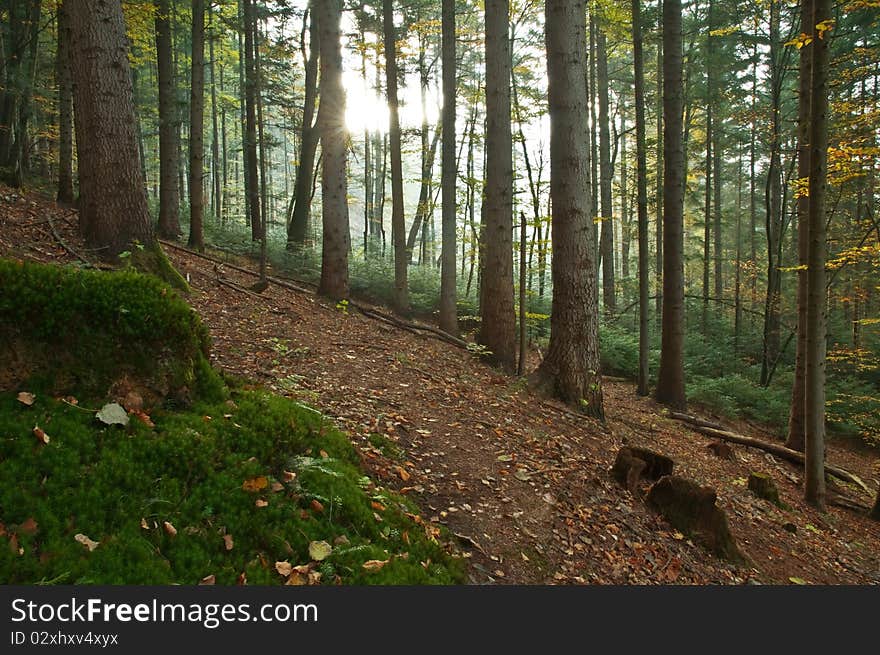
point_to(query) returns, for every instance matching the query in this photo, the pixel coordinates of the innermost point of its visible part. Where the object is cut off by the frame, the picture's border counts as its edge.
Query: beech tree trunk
(113, 201)
(570, 371)
(498, 324)
(448, 310)
(334, 185)
(670, 382)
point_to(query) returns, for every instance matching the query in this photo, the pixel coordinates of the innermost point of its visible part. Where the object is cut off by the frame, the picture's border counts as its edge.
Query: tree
(65, 110)
(448, 311)
(670, 381)
(498, 322)
(334, 185)
(113, 202)
(197, 128)
(252, 186)
(298, 222)
(169, 132)
(814, 476)
(570, 370)
(797, 416)
(606, 173)
(398, 226)
(641, 193)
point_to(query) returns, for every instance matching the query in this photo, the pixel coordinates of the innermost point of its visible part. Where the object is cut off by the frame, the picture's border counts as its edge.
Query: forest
(584, 240)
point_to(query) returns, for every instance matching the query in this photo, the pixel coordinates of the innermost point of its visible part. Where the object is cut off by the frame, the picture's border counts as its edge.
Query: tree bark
(297, 227)
(498, 325)
(65, 110)
(448, 310)
(334, 185)
(641, 194)
(606, 173)
(197, 129)
(670, 382)
(814, 452)
(398, 221)
(113, 201)
(570, 371)
(252, 186)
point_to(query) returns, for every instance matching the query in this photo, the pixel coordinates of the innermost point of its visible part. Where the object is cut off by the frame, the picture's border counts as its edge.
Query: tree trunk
(113, 201)
(334, 185)
(297, 228)
(398, 222)
(169, 130)
(498, 325)
(448, 310)
(670, 382)
(216, 191)
(641, 194)
(65, 110)
(570, 371)
(197, 129)
(814, 452)
(658, 210)
(606, 173)
(796, 437)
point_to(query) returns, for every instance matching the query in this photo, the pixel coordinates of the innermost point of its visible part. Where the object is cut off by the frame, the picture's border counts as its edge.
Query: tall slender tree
(570, 370)
(197, 129)
(606, 174)
(670, 381)
(65, 110)
(169, 131)
(398, 225)
(814, 476)
(334, 185)
(448, 312)
(498, 322)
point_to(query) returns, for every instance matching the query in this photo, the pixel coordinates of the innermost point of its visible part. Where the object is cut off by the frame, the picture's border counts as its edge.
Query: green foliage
(192, 470)
(71, 329)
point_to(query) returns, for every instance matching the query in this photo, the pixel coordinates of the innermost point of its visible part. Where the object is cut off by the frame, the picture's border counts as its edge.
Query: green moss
(77, 330)
(189, 470)
(152, 260)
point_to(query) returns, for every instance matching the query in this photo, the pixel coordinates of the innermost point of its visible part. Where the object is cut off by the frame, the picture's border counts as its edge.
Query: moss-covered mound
(67, 330)
(254, 487)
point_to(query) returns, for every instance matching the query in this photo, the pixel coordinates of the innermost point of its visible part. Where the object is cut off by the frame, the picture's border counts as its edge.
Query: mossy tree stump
(692, 509)
(762, 486)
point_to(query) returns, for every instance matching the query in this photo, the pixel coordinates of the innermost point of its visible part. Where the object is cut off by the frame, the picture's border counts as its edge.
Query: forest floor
(521, 481)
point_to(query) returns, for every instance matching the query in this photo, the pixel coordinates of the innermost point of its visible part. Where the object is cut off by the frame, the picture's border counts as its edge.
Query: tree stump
(627, 469)
(762, 486)
(722, 450)
(692, 509)
(632, 463)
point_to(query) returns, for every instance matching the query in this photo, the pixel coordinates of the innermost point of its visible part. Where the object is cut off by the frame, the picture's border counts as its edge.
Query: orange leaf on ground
(255, 484)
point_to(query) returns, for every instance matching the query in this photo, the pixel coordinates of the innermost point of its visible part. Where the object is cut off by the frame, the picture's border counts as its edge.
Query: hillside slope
(522, 481)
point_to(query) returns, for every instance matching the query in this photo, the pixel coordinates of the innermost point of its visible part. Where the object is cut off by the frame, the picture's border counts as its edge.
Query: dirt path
(522, 482)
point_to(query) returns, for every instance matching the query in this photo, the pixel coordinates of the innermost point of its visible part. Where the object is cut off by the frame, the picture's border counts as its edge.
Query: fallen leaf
(799, 581)
(144, 418)
(402, 472)
(504, 458)
(113, 414)
(228, 541)
(255, 484)
(85, 541)
(170, 529)
(29, 526)
(284, 568)
(242, 579)
(208, 580)
(324, 454)
(377, 506)
(277, 486)
(41, 436)
(261, 503)
(144, 524)
(25, 398)
(374, 564)
(317, 506)
(297, 579)
(288, 476)
(523, 475)
(320, 550)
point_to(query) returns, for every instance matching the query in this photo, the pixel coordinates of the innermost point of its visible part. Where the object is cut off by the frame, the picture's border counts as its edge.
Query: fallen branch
(774, 449)
(408, 325)
(63, 243)
(241, 289)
